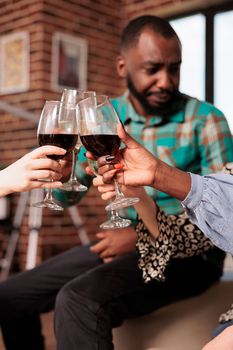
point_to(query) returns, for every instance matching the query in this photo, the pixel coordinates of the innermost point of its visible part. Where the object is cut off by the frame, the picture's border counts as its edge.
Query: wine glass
(57, 127)
(97, 123)
(70, 96)
(115, 220)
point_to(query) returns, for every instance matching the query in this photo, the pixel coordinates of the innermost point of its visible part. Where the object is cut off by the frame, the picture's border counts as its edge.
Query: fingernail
(118, 166)
(109, 158)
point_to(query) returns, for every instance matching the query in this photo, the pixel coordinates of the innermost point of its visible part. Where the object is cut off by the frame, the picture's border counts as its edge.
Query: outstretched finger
(44, 151)
(45, 163)
(41, 184)
(54, 184)
(108, 195)
(106, 160)
(105, 168)
(44, 174)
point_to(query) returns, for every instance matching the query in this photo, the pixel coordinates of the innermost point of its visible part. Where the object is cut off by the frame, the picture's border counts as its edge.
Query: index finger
(99, 247)
(43, 151)
(106, 160)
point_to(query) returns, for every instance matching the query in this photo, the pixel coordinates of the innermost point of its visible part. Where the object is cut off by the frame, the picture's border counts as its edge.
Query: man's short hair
(134, 28)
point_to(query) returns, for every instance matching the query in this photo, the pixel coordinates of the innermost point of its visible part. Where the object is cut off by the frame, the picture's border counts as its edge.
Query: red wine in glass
(101, 144)
(66, 141)
(98, 123)
(57, 127)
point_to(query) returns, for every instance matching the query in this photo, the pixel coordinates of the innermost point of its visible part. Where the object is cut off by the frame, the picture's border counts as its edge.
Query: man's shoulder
(120, 104)
(118, 101)
(202, 108)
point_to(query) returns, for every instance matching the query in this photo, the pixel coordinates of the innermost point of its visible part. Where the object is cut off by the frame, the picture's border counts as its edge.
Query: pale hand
(31, 170)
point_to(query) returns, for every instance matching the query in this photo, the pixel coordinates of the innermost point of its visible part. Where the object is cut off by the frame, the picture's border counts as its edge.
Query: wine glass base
(115, 223)
(48, 204)
(122, 203)
(73, 186)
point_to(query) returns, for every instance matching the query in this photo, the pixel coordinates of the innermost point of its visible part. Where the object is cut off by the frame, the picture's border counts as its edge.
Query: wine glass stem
(73, 176)
(119, 194)
(49, 194)
(114, 214)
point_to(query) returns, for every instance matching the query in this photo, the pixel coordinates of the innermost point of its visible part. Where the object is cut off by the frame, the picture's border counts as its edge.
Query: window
(207, 69)
(192, 80)
(223, 63)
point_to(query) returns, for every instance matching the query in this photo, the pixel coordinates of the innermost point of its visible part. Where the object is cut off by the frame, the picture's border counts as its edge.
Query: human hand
(31, 170)
(136, 167)
(108, 190)
(114, 243)
(223, 341)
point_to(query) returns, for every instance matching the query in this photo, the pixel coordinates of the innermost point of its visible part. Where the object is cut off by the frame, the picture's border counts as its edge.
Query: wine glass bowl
(72, 97)
(57, 127)
(97, 123)
(98, 131)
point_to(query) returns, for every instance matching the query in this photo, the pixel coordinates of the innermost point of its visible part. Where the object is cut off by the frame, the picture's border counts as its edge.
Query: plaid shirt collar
(177, 117)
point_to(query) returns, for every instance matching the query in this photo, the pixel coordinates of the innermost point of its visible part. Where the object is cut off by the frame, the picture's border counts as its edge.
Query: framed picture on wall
(69, 62)
(14, 62)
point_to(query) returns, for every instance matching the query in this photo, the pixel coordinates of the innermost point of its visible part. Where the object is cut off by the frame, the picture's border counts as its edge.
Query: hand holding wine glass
(115, 220)
(57, 127)
(98, 123)
(135, 165)
(31, 170)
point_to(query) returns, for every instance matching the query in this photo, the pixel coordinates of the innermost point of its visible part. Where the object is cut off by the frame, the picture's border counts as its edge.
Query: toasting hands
(31, 170)
(136, 166)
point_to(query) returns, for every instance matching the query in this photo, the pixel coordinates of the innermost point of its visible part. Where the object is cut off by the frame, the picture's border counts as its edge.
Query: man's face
(153, 71)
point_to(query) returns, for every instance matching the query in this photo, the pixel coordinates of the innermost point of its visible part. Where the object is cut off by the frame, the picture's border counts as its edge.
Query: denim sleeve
(209, 205)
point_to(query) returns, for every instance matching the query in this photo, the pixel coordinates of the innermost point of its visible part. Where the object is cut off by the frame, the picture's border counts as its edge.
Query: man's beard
(165, 109)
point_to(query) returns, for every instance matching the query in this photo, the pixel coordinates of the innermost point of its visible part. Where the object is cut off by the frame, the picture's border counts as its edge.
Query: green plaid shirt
(195, 138)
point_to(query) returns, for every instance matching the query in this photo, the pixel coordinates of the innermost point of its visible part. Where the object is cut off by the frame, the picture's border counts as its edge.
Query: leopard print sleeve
(178, 238)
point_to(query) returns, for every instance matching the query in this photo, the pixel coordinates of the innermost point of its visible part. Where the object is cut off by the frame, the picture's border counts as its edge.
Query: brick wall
(100, 22)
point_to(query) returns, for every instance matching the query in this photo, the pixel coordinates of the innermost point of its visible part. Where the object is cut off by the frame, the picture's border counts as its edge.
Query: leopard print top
(178, 238)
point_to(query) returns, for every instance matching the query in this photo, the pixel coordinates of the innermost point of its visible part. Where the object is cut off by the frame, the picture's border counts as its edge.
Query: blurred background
(46, 45)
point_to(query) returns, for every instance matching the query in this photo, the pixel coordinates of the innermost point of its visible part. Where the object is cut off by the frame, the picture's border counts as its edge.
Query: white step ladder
(34, 225)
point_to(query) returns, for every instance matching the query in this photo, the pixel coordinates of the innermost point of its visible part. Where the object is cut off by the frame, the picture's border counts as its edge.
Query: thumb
(126, 138)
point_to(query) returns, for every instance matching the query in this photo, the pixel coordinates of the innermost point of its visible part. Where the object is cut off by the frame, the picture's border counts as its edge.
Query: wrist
(172, 181)
(160, 168)
(4, 184)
